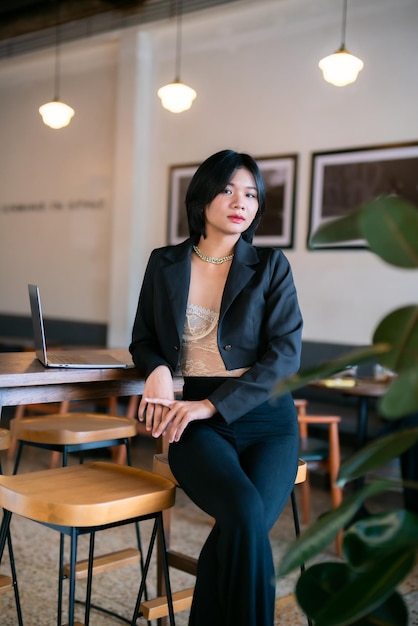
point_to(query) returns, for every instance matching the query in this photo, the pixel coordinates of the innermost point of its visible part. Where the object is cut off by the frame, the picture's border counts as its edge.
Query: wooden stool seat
(68, 432)
(90, 494)
(83, 498)
(72, 428)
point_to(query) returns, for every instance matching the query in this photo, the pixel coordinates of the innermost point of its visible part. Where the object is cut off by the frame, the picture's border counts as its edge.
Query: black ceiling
(27, 25)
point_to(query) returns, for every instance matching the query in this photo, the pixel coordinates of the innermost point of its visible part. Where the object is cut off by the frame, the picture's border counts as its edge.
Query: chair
(8, 583)
(23, 411)
(157, 608)
(87, 498)
(78, 432)
(319, 453)
(68, 432)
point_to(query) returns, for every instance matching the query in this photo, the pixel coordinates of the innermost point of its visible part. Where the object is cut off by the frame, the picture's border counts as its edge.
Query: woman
(225, 315)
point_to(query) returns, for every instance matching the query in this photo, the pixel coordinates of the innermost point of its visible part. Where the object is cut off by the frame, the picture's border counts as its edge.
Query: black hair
(210, 179)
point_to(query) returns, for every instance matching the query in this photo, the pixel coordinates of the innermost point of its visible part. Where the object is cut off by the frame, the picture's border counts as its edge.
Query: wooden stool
(182, 600)
(79, 432)
(110, 407)
(72, 432)
(90, 497)
(8, 583)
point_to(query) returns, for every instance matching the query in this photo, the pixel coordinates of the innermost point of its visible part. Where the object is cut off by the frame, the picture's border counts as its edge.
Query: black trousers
(242, 475)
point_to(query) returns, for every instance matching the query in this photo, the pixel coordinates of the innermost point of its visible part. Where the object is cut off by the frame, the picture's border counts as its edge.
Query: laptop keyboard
(93, 359)
(65, 359)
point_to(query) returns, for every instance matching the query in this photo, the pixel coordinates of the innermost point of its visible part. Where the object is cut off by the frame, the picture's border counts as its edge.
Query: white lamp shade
(176, 97)
(340, 68)
(56, 114)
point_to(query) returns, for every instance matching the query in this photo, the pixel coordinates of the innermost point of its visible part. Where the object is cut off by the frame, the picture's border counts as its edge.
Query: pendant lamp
(341, 68)
(176, 96)
(56, 114)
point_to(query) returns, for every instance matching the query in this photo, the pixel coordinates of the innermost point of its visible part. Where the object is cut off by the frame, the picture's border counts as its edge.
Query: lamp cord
(179, 11)
(344, 24)
(57, 52)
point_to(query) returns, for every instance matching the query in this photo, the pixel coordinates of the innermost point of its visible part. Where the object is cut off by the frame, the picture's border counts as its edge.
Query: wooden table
(24, 380)
(363, 389)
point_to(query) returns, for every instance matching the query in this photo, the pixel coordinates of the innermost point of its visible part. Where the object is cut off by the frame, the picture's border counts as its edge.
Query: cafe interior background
(94, 196)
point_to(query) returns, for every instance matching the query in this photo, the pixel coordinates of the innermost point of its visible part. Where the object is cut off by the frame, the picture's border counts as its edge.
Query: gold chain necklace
(212, 259)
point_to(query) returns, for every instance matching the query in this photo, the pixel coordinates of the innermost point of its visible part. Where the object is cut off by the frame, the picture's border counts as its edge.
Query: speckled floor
(36, 553)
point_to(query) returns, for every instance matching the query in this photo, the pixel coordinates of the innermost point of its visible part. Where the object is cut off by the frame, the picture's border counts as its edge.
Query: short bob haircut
(210, 179)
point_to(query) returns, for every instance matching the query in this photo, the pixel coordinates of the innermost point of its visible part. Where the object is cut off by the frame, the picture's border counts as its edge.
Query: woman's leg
(235, 582)
(268, 444)
(235, 566)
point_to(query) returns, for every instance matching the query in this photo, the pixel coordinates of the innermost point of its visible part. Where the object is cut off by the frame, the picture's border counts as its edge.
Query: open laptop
(67, 358)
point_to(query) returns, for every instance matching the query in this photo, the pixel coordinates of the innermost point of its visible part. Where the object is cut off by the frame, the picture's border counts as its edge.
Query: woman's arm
(159, 384)
(147, 353)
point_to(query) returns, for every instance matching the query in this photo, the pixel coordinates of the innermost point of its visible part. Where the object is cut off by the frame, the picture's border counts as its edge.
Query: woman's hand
(158, 384)
(179, 413)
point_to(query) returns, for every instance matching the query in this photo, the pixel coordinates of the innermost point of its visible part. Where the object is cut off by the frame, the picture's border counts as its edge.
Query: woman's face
(232, 211)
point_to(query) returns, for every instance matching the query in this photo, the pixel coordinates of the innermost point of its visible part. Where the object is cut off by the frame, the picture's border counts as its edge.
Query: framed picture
(342, 181)
(180, 177)
(277, 226)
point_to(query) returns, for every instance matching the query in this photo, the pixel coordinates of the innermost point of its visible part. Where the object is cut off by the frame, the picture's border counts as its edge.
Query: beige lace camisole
(200, 354)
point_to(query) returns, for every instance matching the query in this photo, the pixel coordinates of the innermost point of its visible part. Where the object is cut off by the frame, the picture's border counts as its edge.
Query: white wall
(254, 66)
(56, 186)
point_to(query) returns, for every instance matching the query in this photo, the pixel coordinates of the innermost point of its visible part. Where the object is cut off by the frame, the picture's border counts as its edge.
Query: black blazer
(260, 324)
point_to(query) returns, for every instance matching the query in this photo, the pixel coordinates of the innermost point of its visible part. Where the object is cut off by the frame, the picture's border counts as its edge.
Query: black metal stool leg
(60, 579)
(73, 560)
(137, 530)
(13, 569)
(61, 576)
(165, 569)
(18, 456)
(4, 531)
(297, 531)
(5, 536)
(89, 580)
(14, 580)
(157, 528)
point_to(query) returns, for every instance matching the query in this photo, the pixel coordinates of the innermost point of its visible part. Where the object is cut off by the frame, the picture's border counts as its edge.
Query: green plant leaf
(376, 454)
(390, 226)
(378, 536)
(333, 594)
(392, 612)
(318, 535)
(400, 330)
(346, 228)
(327, 368)
(402, 396)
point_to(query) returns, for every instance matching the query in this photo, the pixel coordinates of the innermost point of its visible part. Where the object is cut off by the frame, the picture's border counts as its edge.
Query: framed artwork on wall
(277, 226)
(342, 181)
(180, 177)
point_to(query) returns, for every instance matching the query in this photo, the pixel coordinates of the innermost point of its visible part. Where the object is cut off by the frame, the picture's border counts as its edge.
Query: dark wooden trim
(16, 333)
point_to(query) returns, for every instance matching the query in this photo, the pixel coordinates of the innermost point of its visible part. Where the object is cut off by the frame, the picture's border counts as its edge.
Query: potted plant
(379, 550)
